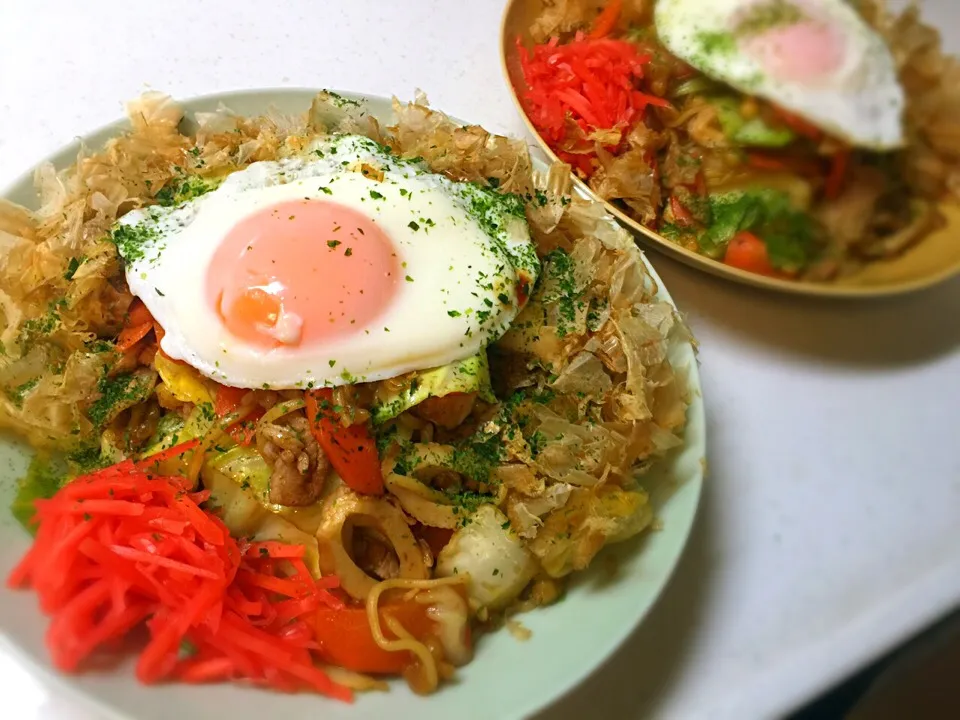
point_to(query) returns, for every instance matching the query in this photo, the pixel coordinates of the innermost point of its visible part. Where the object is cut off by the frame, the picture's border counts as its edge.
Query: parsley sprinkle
(454, 313)
(348, 252)
(413, 225)
(72, 267)
(375, 195)
(325, 189)
(332, 243)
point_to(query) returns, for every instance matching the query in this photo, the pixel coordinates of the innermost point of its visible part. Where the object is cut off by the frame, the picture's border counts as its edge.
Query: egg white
(862, 103)
(463, 264)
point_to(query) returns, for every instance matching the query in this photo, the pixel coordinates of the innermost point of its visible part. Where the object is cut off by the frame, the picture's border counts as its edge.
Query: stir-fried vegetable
(345, 637)
(351, 449)
(746, 251)
(139, 322)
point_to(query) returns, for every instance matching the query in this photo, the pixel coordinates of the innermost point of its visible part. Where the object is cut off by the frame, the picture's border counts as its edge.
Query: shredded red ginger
(121, 547)
(592, 80)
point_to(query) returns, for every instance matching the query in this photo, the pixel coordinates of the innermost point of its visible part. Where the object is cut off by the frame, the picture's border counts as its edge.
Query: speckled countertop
(828, 529)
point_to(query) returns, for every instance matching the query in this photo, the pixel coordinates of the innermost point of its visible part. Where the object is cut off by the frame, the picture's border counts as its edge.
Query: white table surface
(829, 525)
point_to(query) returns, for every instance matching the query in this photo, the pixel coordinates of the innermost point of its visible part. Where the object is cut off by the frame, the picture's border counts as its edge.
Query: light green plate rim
(507, 679)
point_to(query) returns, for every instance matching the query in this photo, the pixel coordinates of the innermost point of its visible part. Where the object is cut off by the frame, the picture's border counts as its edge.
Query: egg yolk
(302, 272)
(805, 52)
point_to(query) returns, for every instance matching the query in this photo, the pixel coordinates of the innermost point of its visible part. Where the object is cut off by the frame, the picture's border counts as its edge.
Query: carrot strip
(173, 452)
(275, 584)
(607, 18)
(145, 557)
(590, 83)
(200, 521)
(130, 336)
(202, 671)
(91, 507)
(228, 399)
(121, 547)
(838, 173)
(137, 313)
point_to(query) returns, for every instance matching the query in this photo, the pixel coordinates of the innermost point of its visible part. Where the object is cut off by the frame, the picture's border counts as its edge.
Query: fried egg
(347, 264)
(816, 58)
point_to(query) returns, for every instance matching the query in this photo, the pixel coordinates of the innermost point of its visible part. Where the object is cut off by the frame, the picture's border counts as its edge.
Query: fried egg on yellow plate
(817, 58)
(347, 264)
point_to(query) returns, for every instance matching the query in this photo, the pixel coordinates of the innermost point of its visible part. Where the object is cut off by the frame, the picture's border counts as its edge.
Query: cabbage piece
(120, 392)
(749, 131)
(525, 513)
(792, 236)
(244, 516)
(498, 563)
(172, 431)
(465, 376)
(247, 468)
(571, 536)
(183, 381)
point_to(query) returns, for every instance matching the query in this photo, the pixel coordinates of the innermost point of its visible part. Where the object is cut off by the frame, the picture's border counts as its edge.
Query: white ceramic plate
(507, 679)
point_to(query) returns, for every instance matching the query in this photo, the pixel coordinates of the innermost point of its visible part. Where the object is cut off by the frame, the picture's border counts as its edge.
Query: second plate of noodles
(738, 174)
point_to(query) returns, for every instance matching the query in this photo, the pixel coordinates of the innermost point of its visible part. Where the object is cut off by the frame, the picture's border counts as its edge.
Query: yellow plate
(930, 261)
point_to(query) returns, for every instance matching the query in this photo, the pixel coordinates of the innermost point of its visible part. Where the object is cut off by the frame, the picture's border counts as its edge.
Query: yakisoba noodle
(405, 641)
(494, 478)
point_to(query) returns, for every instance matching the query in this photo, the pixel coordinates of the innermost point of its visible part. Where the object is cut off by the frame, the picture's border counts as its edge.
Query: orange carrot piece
(607, 18)
(838, 174)
(133, 334)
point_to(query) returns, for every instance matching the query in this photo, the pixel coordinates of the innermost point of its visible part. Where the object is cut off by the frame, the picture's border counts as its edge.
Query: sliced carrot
(352, 451)
(748, 252)
(798, 124)
(604, 22)
(133, 334)
(346, 639)
(762, 161)
(682, 216)
(838, 173)
(228, 399)
(137, 325)
(289, 588)
(137, 313)
(168, 454)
